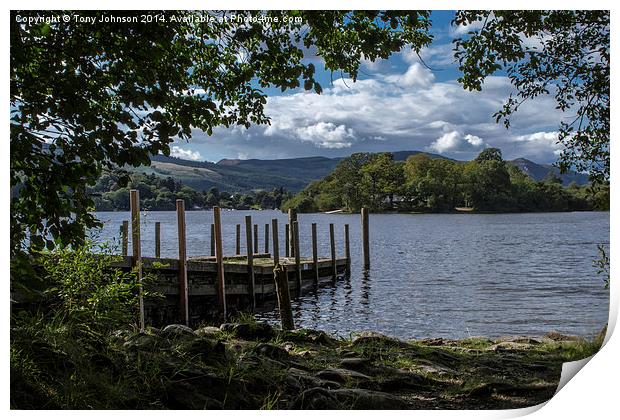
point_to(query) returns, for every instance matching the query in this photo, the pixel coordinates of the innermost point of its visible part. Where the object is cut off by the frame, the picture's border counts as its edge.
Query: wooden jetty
(191, 290)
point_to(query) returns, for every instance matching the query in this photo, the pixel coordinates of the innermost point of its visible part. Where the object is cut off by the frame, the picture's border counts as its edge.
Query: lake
(432, 275)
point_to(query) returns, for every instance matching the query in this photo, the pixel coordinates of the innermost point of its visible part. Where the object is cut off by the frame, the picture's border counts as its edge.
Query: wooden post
(157, 239)
(125, 235)
(295, 228)
(365, 238)
(292, 217)
(134, 205)
(347, 249)
(212, 240)
(238, 247)
(276, 245)
(256, 239)
(266, 238)
(284, 299)
(219, 258)
(281, 279)
(315, 257)
(286, 240)
(183, 286)
(250, 256)
(332, 246)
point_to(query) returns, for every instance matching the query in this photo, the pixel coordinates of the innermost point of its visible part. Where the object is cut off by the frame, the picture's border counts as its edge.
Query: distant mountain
(541, 171)
(238, 175)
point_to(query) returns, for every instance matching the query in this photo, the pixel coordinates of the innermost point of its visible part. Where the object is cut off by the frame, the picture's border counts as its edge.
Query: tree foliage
(563, 53)
(89, 95)
(485, 184)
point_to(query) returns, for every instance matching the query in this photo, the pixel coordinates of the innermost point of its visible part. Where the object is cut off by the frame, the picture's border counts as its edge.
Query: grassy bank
(247, 365)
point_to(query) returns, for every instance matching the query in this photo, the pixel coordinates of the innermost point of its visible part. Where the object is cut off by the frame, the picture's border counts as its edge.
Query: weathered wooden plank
(134, 205)
(217, 222)
(183, 287)
(295, 228)
(250, 259)
(157, 239)
(365, 239)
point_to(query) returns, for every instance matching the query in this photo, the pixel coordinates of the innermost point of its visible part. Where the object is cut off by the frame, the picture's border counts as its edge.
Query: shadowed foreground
(249, 365)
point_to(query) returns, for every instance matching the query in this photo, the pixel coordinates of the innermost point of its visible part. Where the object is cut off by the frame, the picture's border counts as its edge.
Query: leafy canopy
(87, 96)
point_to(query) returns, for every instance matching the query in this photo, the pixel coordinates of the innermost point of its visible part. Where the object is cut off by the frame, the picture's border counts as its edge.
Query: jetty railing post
(286, 240)
(212, 240)
(134, 205)
(292, 217)
(183, 286)
(250, 256)
(347, 249)
(365, 238)
(124, 236)
(295, 228)
(276, 245)
(266, 238)
(157, 239)
(238, 243)
(281, 279)
(256, 239)
(315, 257)
(219, 258)
(332, 247)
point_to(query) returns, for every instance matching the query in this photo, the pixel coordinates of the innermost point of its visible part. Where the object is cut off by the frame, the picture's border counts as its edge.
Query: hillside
(236, 175)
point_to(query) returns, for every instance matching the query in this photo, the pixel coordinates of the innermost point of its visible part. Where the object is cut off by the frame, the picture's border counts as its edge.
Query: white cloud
(384, 113)
(327, 135)
(454, 141)
(180, 153)
(460, 30)
(416, 75)
(549, 137)
(435, 55)
(474, 140)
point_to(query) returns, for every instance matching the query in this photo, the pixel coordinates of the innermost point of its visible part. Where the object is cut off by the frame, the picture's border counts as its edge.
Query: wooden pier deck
(161, 281)
(198, 288)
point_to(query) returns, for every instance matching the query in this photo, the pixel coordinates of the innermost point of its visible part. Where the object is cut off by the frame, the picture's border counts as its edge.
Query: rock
(509, 346)
(434, 368)
(519, 339)
(250, 331)
(432, 341)
(144, 342)
(375, 338)
(207, 332)
(399, 379)
(316, 399)
(358, 364)
(342, 376)
(306, 335)
(556, 336)
(309, 381)
(271, 351)
(363, 399)
(206, 348)
(178, 331)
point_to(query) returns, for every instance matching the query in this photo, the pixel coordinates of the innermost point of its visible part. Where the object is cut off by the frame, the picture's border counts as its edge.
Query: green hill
(237, 175)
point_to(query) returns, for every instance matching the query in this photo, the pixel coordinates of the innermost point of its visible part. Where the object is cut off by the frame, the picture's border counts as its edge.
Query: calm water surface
(432, 275)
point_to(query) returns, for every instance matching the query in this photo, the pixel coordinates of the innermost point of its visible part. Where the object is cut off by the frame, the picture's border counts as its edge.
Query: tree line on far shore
(485, 184)
(158, 193)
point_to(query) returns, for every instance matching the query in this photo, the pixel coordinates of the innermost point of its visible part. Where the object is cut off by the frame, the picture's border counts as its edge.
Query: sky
(396, 104)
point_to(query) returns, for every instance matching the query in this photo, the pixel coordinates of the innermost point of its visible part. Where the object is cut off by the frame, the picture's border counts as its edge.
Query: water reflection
(365, 288)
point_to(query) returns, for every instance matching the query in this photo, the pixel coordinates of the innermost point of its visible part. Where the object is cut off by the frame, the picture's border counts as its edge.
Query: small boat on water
(333, 211)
